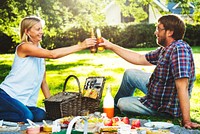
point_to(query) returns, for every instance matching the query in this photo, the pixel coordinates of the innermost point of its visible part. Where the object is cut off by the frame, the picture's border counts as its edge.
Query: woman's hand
(89, 42)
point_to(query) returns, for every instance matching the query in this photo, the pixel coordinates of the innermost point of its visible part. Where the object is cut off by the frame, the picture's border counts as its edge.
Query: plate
(159, 125)
(8, 123)
(1, 122)
(64, 122)
(9, 129)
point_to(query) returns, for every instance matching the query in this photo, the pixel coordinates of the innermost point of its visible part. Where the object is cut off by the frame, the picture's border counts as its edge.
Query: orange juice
(109, 112)
(108, 103)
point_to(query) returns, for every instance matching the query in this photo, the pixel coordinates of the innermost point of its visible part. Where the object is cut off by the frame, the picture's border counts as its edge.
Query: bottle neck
(108, 92)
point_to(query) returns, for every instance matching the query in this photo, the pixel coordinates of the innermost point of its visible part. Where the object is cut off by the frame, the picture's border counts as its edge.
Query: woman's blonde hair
(27, 24)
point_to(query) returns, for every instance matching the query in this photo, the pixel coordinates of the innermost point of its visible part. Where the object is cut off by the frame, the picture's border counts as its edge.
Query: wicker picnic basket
(72, 103)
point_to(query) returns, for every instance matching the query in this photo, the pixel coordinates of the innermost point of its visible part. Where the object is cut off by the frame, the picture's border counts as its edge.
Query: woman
(19, 91)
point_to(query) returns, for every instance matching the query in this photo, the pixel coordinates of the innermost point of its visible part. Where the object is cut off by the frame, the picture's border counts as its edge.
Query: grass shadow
(5, 69)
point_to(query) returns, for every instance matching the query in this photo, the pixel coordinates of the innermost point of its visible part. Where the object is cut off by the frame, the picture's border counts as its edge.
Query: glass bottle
(93, 49)
(99, 40)
(108, 103)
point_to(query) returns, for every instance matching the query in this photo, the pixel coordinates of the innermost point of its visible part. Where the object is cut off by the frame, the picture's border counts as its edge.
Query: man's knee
(120, 104)
(130, 72)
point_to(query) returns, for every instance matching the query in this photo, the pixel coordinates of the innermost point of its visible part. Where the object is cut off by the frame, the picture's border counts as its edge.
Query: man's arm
(183, 95)
(126, 54)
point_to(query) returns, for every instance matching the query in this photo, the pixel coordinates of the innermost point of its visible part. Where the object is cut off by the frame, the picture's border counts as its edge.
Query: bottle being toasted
(108, 103)
(99, 40)
(93, 49)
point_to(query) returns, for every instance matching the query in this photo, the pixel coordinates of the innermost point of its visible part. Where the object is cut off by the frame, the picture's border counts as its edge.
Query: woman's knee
(27, 115)
(38, 113)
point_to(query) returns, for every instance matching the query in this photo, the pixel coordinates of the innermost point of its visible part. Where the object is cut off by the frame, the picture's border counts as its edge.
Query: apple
(66, 122)
(107, 122)
(125, 120)
(115, 120)
(135, 124)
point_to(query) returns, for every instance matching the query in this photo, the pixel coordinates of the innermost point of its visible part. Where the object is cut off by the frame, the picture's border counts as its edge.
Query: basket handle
(79, 87)
(73, 121)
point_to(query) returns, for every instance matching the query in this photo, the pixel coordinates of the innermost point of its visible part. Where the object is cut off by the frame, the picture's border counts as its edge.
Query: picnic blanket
(176, 129)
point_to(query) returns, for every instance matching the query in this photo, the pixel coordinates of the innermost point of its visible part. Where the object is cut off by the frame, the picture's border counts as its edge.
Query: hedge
(129, 36)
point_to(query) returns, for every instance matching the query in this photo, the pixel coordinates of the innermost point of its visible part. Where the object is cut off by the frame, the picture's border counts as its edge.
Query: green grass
(84, 64)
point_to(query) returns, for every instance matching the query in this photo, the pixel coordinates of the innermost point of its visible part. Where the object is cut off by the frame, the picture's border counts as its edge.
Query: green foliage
(86, 13)
(186, 8)
(129, 35)
(69, 21)
(126, 35)
(139, 35)
(192, 34)
(10, 17)
(184, 5)
(134, 8)
(196, 14)
(58, 15)
(5, 65)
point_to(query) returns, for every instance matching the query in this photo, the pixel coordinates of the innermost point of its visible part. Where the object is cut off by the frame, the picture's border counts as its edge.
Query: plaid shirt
(172, 62)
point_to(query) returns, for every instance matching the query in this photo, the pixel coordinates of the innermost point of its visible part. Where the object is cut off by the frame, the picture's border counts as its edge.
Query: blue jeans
(13, 110)
(124, 99)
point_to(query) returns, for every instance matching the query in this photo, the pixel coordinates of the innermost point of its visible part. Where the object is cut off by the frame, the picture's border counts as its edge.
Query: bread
(160, 131)
(109, 129)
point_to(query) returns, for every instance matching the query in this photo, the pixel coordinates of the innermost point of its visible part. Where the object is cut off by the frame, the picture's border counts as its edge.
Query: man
(168, 88)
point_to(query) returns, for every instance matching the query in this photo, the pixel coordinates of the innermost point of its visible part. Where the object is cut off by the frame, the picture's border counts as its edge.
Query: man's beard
(161, 42)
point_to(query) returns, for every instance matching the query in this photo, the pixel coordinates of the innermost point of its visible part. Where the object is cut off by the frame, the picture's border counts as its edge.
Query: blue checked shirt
(172, 62)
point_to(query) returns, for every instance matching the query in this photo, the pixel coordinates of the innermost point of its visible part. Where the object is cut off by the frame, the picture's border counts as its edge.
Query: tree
(61, 15)
(196, 14)
(184, 4)
(86, 13)
(134, 8)
(12, 11)
(58, 15)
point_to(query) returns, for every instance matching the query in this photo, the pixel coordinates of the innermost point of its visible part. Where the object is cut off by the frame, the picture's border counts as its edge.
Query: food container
(47, 128)
(33, 130)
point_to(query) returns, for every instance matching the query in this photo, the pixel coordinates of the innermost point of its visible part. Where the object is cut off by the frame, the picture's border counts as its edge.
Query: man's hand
(191, 125)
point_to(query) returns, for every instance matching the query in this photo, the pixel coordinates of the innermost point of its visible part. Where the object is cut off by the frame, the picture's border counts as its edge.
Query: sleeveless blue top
(24, 80)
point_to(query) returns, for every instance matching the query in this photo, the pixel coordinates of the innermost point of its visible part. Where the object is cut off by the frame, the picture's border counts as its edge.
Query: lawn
(84, 64)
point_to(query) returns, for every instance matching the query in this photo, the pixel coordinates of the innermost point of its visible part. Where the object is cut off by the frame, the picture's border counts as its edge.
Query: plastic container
(108, 103)
(47, 128)
(33, 130)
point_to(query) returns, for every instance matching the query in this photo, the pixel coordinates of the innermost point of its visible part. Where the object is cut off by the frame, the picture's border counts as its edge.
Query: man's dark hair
(173, 23)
